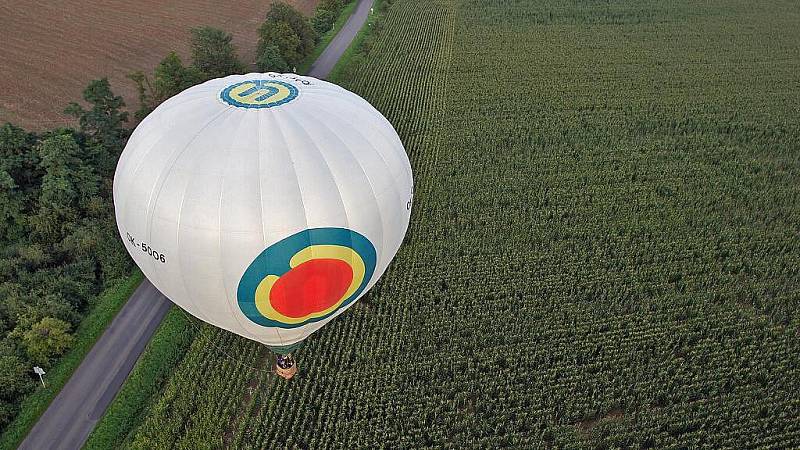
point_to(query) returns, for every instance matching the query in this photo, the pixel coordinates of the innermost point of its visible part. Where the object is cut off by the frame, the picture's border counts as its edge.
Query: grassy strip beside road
(162, 355)
(326, 38)
(356, 48)
(90, 329)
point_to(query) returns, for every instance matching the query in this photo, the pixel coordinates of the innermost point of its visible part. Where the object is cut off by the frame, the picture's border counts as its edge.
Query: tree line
(286, 39)
(59, 247)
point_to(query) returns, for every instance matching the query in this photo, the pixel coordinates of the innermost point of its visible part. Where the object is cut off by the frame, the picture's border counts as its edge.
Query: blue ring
(225, 95)
(274, 260)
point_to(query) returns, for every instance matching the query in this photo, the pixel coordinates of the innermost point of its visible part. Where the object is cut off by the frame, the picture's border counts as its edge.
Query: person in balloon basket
(285, 361)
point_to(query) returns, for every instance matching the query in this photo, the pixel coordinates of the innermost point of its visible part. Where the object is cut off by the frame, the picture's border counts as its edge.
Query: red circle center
(312, 286)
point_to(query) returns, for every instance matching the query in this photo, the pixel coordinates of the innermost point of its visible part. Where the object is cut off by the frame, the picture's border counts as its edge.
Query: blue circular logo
(306, 277)
(259, 93)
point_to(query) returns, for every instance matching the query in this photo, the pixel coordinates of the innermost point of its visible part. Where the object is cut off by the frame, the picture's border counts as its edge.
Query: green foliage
(280, 36)
(270, 60)
(17, 158)
(332, 5)
(289, 31)
(14, 381)
(325, 15)
(68, 186)
(103, 123)
(46, 340)
(59, 240)
(169, 78)
(13, 378)
(12, 219)
(323, 20)
(213, 54)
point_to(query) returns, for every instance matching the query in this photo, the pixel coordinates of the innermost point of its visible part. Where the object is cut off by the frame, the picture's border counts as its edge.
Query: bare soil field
(52, 49)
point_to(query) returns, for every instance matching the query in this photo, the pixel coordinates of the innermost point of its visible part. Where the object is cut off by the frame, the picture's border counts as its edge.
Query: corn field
(603, 251)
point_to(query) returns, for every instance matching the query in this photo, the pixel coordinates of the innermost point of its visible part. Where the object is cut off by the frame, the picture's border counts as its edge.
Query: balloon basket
(286, 373)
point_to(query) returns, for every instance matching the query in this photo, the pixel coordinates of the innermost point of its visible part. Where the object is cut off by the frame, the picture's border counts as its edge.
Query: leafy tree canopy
(47, 339)
(271, 60)
(169, 78)
(287, 29)
(213, 54)
(103, 123)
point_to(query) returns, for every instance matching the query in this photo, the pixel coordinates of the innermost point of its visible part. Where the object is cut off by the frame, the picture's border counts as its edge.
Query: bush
(289, 31)
(323, 20)
(47, 339)
(169, 78)
(213, 54)
(270, 60)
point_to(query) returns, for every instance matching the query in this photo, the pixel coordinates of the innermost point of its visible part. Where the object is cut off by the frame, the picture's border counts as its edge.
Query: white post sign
(39, 371)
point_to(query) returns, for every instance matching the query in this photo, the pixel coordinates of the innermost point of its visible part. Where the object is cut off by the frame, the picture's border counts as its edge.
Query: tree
(103, 123)
(12, 218)
(13, 377)
(332, 5)
(323, 20)
(281, 36)
(289, 31)
(67, 188)
(325, 15)
(102, 126)
(270, 60)
(18, 158)
(213, 54)
(14, 382)
(169, 78)
(47, 339)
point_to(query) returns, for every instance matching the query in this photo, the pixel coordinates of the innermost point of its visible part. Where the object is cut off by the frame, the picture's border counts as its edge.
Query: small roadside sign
(39, 371)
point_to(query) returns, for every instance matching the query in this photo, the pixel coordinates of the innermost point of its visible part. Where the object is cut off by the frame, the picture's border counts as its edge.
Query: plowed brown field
(50, 50)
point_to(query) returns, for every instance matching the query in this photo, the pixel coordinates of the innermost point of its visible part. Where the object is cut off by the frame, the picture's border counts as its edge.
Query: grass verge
(162, 354)
(357, 46)
(326, 38)
(101, 314)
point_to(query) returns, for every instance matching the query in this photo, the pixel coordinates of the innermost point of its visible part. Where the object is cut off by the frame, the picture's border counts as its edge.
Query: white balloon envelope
(264, 204)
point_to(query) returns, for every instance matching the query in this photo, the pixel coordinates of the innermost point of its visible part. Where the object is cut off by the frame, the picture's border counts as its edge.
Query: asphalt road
(74, 412)
(324, 64)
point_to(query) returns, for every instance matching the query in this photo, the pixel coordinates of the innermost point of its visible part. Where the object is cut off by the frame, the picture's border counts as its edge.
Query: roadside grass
(163, 353)
(100, 315)
(356, 48)
(326, 39)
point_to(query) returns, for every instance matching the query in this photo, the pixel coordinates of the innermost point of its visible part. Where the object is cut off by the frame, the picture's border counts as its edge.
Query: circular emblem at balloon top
(259, 93)
(306, 277)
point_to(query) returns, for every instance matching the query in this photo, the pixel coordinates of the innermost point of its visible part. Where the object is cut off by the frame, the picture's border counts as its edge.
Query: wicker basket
(286, 373)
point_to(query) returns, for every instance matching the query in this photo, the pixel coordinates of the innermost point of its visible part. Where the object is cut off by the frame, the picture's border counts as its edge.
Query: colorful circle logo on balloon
(259, 93)
(306, 277)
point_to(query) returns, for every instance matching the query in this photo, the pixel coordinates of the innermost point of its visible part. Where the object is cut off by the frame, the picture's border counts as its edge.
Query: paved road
(324, 64)
(74, 412)
(68, 421)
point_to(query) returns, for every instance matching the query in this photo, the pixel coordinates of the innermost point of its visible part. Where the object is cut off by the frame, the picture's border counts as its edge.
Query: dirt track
(51, 49)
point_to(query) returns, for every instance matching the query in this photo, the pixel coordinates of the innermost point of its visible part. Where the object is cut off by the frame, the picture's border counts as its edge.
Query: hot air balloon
(265, 204)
